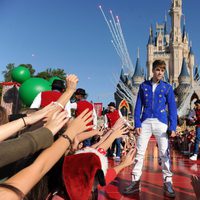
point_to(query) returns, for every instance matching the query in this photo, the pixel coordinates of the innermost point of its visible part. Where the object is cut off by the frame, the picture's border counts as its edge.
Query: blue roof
(138, 69)
(165, 29)
(150, 40)
(122, 76)
(196, 73)
(184, 70)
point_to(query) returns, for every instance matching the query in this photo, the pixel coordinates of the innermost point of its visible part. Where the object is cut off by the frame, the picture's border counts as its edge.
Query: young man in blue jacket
(155, 112)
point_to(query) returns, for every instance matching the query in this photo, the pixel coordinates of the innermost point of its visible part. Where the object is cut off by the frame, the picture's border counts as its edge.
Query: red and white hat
(79, 171)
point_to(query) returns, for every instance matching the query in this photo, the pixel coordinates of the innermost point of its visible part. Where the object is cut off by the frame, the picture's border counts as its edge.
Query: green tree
(59, 72)
(45, 75)
(7, 73)
(49, 72)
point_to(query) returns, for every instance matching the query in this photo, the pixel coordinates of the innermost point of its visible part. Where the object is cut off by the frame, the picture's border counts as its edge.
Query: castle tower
(171, 48)
(184, 77)
(176, 47)
(150, 53)
(191, 65)
(184, 83)
(138, 76)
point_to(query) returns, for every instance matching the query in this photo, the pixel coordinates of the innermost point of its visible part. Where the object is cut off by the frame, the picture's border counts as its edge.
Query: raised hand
(79, 124)
(129, 158)
(120, 131)
(118, 123)
(56, 121)
(71, 81)
(40, 114)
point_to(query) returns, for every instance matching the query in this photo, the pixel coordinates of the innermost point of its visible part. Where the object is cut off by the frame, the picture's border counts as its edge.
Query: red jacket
(197, 111)
(81, 106)
(48, 96)
(112, 118)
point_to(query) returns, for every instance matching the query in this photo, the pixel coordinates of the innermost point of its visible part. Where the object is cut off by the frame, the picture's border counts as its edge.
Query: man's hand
(173, 134)
(138, 131)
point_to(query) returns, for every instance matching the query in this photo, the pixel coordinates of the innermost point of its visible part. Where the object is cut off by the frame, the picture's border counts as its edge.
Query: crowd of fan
(185, 137)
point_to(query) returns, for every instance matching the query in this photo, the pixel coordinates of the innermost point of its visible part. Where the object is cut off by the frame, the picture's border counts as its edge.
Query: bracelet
(24, 122)
(69, 140)
(59, 104)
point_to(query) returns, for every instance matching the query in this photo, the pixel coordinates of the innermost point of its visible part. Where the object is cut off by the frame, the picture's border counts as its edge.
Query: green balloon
(20, 74)
(31, 88)
(54, 78)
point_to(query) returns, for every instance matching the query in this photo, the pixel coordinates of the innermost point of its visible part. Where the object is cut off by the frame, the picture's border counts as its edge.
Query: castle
(175, 49)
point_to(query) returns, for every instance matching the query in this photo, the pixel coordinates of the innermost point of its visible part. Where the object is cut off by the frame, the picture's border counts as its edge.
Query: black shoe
(168, 190)
(133, 188)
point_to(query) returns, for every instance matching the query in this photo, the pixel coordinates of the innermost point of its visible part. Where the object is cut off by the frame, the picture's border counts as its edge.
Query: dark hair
(112, 104)
(18, 192)
(3, 116)
(159, 63)
(82, 93)
(58, 85)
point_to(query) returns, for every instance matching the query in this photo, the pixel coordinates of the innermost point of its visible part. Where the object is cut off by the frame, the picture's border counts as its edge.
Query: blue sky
(72, 34)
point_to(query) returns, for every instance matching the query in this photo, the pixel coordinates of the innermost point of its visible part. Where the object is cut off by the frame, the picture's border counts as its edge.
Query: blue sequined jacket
(160, 104)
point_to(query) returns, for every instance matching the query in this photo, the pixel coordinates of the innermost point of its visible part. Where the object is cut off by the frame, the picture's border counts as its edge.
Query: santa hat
(80, 170)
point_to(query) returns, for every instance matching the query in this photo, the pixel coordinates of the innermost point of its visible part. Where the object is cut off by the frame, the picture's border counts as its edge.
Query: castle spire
(196, 73)
(122, 76)
(138, 70)
(191, 51)
(138, 53)
(176, 13)
(150, 40)
(184, 70)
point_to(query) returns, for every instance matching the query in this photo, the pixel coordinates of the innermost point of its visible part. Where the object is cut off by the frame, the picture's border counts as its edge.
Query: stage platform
(151, 181)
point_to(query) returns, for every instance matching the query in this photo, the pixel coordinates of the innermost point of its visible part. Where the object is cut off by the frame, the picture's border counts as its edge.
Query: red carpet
(151, 188)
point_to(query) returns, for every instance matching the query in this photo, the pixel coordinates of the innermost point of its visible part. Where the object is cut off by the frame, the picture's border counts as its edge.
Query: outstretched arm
(13, 127)
(28, 177)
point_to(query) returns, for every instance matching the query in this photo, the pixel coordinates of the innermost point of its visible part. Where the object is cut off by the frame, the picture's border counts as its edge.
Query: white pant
(149, 126)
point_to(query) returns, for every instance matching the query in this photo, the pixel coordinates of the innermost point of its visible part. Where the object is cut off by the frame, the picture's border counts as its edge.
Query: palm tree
(59, 72)
(49, 72)
(7, 73)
